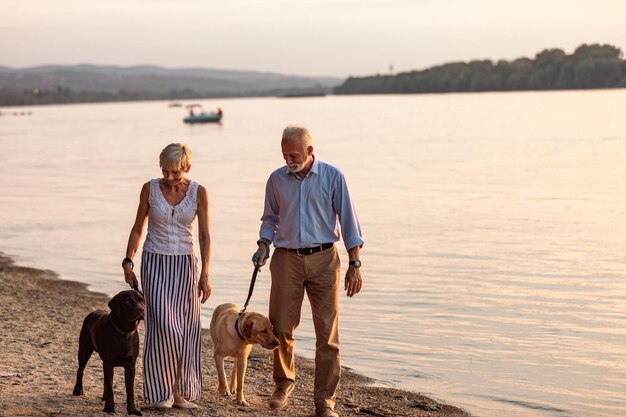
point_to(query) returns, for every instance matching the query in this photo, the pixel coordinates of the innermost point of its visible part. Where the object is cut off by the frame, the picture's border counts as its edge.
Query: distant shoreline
(40, 319)
(5, 113)
(594, 66)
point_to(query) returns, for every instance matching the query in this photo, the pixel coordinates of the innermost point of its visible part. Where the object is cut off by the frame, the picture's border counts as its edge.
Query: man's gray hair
(298, 132)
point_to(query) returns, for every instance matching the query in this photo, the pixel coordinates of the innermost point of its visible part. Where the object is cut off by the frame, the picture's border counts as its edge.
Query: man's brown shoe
(326, 412)
(278, 400)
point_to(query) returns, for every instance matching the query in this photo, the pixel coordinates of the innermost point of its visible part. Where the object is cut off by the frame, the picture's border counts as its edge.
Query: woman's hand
(129, 276)
(204, 287)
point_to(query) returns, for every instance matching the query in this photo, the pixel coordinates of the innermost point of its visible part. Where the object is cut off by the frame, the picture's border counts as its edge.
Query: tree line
(590, 66)
(62, 95)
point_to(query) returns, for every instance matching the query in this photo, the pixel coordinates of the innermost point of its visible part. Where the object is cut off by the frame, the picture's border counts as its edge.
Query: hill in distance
(92, 83)
(588, 67)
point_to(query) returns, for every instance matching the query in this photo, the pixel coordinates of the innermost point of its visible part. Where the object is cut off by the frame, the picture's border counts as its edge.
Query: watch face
(356, 263)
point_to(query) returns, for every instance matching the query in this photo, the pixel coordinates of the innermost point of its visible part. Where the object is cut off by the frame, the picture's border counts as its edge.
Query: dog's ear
(247, 329)
(114, 303)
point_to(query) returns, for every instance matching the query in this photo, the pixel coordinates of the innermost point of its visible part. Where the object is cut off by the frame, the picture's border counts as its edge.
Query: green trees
(590, 66)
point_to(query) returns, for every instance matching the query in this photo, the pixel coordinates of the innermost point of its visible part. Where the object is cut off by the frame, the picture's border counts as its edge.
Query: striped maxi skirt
(172, 323)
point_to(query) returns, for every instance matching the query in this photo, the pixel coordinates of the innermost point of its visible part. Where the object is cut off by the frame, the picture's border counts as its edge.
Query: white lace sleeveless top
(170, 228)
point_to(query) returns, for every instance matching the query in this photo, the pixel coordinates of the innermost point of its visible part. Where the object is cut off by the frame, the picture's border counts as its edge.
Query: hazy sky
(308, 37)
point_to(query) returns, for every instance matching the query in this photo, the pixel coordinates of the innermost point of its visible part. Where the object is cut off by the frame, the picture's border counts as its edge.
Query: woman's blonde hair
(175, 155)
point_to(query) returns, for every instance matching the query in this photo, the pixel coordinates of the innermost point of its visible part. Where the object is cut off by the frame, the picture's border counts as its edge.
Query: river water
(494, 227)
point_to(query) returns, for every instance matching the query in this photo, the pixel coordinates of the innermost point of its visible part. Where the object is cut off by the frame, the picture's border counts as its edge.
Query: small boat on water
(202, 116)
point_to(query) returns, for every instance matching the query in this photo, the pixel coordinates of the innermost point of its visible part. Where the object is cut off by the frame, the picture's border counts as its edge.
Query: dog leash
(251, 289)
(257, 268)
(245, 306)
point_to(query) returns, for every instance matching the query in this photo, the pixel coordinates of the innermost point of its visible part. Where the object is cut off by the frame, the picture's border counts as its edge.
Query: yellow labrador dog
(233, 336)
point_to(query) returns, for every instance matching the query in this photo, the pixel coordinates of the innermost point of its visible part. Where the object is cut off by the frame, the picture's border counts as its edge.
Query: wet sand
(40, 319)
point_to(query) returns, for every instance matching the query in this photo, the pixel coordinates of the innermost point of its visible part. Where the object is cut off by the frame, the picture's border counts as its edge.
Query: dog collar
(120, 331)
(237, 327)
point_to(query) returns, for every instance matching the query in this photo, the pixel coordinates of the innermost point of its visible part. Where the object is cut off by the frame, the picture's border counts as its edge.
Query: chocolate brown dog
(114, 337)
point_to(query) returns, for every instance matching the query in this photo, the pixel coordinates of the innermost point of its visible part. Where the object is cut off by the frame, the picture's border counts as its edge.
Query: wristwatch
(128, 261)
(356, 263)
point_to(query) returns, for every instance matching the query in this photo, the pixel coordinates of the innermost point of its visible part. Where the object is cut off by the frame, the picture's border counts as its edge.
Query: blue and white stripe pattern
(172, 323)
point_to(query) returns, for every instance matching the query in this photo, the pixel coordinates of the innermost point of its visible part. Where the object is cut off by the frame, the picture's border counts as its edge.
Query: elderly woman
(169, 276)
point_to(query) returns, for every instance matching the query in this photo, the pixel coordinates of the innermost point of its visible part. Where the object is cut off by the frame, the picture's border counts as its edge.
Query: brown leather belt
(310, 251)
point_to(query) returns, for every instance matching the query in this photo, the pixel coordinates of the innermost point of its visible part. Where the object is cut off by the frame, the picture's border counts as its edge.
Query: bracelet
(128, 260)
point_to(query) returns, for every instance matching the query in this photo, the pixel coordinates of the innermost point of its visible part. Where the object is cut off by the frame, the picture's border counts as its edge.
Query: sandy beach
(40, 319)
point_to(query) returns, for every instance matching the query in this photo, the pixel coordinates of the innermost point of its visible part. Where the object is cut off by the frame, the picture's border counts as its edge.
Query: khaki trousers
(318, 275)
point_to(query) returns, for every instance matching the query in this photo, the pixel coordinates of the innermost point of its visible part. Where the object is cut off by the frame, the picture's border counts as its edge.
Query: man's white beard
(295, 168)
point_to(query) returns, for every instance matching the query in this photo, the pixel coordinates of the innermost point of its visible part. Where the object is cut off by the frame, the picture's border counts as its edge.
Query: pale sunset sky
(304, 37)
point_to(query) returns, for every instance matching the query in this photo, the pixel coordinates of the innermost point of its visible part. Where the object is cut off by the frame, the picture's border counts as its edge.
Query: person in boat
(303, 202)
(191, 113)
(219, 111)
(173, 289)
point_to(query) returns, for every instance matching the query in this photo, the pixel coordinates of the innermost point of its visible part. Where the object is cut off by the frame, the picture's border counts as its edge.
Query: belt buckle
(305, 251)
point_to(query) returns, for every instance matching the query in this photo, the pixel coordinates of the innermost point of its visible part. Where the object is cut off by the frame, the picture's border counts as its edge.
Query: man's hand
(260, 256)
(353, 281)
(204, 287)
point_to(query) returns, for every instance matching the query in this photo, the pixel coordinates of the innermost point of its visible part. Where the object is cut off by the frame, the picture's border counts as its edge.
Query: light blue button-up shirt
(302, 213)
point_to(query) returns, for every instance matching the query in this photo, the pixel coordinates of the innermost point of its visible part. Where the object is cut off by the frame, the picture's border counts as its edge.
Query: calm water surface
(494, 227)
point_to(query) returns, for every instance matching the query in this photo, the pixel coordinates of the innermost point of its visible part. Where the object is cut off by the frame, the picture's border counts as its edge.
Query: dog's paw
(109, 409)
(243, 402)
(134, 412)
(224, 391)
(78, 391)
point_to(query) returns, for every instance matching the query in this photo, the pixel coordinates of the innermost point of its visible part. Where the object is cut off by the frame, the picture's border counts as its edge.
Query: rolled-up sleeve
(350, 227)
(269, 220)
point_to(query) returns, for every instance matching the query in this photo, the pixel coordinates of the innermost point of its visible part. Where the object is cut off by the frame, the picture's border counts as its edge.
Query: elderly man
(303, 202)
